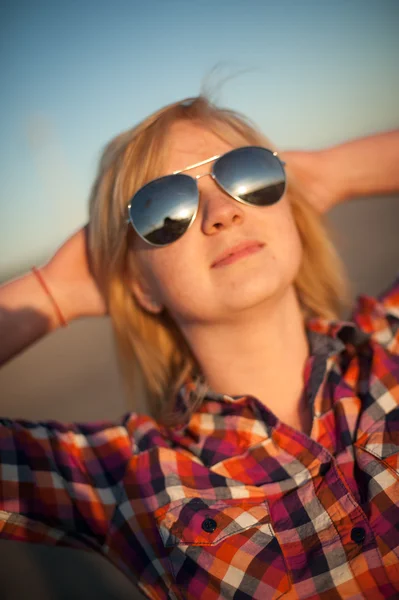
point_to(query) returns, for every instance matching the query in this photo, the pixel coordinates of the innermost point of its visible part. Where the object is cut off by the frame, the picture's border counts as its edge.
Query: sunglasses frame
(196, 178)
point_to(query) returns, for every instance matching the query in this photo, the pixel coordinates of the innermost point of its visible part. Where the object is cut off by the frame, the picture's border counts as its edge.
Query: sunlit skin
(242, 319)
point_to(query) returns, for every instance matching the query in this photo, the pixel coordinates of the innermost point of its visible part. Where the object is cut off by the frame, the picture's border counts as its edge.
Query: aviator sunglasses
(163, 209)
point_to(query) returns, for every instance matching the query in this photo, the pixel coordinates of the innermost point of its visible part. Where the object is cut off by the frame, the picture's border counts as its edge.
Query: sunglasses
(163, 209)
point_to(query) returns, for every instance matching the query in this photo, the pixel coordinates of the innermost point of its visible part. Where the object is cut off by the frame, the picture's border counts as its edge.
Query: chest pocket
(382, 442)
(225, 546)
(377, 454)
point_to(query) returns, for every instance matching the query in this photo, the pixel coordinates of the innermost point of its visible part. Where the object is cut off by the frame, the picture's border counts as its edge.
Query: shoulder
(145, 432)
(379, 316)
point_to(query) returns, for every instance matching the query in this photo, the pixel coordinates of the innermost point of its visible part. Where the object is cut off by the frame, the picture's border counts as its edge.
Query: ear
(145, 298)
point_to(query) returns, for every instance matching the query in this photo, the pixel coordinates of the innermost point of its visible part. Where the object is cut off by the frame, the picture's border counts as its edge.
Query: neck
(261, 353)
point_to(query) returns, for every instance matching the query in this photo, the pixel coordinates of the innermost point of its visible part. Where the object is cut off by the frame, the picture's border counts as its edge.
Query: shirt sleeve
(59, 483)
(379, 317)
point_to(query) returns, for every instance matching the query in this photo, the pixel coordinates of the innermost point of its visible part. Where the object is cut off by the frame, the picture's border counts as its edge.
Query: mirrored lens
(163, 210)
(252, 174)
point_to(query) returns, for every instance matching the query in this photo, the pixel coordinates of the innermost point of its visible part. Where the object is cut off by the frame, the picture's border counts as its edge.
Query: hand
(311, 171)
(70, 279)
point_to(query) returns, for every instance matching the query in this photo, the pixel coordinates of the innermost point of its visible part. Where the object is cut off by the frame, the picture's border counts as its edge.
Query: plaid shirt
(234, 503)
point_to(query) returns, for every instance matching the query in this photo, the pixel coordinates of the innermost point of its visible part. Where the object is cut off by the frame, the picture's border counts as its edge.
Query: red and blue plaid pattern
(234, 503)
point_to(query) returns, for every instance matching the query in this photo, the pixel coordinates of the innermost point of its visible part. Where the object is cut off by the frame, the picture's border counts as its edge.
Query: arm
(58, 483)
(26, 311)
(362, 167)
(26, 315)
(367, 166)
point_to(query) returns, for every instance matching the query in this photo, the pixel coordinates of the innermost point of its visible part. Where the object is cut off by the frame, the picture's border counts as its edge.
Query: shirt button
(358, 534)
(209, 525)
(324, 468)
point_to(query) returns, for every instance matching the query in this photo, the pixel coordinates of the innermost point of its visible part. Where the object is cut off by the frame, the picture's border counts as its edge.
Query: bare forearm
(36, 304)
(26, 315)
(363, 167)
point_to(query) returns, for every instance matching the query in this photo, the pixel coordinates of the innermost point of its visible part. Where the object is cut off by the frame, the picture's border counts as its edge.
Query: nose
(218, 210)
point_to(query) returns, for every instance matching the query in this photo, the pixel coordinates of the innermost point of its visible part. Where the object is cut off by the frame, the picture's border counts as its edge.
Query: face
(234, 257)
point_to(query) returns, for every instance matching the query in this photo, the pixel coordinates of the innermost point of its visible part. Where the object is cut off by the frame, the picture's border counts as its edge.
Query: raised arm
(58, 483)
(362, 167)
(27, 312)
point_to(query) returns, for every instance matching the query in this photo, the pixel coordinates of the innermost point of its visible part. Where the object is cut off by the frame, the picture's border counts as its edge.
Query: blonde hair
(150, 347)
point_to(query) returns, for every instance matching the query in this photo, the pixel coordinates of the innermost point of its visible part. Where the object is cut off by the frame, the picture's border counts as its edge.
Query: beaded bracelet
(40, 279)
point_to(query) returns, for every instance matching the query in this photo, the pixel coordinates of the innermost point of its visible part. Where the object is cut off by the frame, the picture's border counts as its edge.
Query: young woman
(269, 467)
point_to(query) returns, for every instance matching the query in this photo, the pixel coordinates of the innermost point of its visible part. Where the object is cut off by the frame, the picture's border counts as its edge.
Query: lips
(237, 252)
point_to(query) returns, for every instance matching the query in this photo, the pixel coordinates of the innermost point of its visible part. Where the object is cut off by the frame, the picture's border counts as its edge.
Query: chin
(255, 292)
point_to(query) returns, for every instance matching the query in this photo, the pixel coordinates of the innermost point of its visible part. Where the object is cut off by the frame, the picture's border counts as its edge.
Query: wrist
(76, 296)
(49, 303)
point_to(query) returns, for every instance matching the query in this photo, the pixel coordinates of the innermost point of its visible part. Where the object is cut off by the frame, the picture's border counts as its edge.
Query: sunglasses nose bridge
(212, 176)
(209, 174)
(197, 177)
(217, 208)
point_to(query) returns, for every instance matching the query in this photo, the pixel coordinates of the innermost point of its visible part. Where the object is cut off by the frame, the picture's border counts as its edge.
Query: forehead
(189, 143)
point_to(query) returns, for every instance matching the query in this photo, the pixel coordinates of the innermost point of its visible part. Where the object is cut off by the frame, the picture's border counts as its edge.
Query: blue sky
(310, 73)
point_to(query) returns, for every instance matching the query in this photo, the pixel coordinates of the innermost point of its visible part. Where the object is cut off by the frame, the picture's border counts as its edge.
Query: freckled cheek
(292, 243)
(283, 238)
(280, 223)
(174, 275)
(181, 292)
